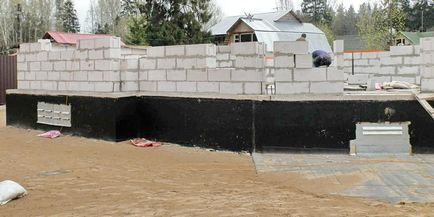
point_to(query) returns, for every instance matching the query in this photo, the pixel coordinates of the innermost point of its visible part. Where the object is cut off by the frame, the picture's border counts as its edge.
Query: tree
(136, 31)
(170, 22)
(316, 10)
(328, 31)
(350, 21)
(59, 24)
(68, 17)
(420, 15)
(372, 27)
(395, 16)
(339, 27)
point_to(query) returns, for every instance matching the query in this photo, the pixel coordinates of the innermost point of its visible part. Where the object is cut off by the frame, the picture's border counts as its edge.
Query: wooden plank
(422, 99)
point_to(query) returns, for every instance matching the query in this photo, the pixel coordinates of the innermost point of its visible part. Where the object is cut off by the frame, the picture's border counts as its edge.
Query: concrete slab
(392, 179)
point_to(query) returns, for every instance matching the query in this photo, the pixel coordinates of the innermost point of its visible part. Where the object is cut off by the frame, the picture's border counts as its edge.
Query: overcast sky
(231, 7)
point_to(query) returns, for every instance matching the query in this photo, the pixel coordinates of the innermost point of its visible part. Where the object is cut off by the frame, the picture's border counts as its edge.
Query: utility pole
(18, 18)
(422, 29)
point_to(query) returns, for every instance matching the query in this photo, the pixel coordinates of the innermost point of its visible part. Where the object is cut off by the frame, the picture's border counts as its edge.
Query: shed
(411, 38)
(67, 38)
(268, 28)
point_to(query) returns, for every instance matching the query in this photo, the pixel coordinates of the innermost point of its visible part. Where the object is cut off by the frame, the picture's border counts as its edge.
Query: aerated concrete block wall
(427, 71)
(401, 63)
(92, 67)
(100, 65)
(295, 74)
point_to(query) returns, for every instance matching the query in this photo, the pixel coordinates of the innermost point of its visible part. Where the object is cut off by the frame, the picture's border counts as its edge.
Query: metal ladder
(422, 99)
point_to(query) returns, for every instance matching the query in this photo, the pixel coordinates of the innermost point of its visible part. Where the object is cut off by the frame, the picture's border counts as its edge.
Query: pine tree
(339, 27)
(69, 18)
(350, 21)
(137, 31)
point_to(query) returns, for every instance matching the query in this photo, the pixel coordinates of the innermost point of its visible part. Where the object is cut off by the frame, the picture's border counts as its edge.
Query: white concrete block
(176, 75)
(30, 76)
(361, 62)
(166, 86)
(412, 70)
(427, 85)
(53, 76)
(231, 88)
(327, 87)
(130, 86)
(223, 56)
(314, 74)
(292, 87)
(42, 56)
(291, 47)
(35, 66)
(59, 66)
(86, 44)
(112, 53)
(414, 60)
(247, 75)
(96, 54)
(157, 75)
(204, 63)
(202, 50)
(188, 87)
(391, 60)
(80, 76)
(409, 79)
(148, 86)
(166, 63)
(148, 63)
(303, 61)
(21, 67)
(67, 55)
(49, 85)
(87, 65)
(35, 47)
(109, 42)
(72, 65)
(225, 64)
(283, 75)
(219, 74)
(247, 48)
(104, 86)
(427, 44)
(334, 74)
(186, 63)
(107, 65)
(154, 52)
(208, 87)
(175, 51)
(143, 75)
(20, 76)
(249, 62)
(82, 54)
(92, 75)
(427, 71)
(66, 76)
(401, 50)
(23, 85)
(338, 46)
(45, 44)
(130, 64)
(374, 62)
(428, 58)
(35, 85)
(197, 75)
(21, 58)
(223, 49)
(369, 55)
(54, 55)
(387, 70)
(253, 88)
(41, 76)
(129, 76)
(284, 61)
(111, 75)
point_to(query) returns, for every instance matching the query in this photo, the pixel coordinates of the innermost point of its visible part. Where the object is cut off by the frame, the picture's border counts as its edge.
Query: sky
(231, 7)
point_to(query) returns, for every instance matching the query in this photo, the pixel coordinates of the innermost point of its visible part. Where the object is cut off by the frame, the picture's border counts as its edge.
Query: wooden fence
(8, 75)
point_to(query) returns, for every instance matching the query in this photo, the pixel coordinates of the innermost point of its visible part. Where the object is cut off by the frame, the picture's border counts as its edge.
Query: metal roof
(71, 38)
(268, 29)
(415, 37)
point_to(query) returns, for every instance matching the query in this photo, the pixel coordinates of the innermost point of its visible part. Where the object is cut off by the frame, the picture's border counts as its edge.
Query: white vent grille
(54, 114)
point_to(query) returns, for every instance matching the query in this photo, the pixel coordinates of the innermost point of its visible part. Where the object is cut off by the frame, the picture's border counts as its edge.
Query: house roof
(71, 38)
(270, 27)
(415, 37)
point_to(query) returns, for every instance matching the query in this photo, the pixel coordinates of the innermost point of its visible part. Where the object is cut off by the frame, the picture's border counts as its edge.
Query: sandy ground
(73, 176)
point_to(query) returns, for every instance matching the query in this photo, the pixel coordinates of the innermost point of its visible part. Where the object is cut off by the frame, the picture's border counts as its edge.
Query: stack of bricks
(427, 72)
(92, 67)
(401, 63)
(295, 74)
